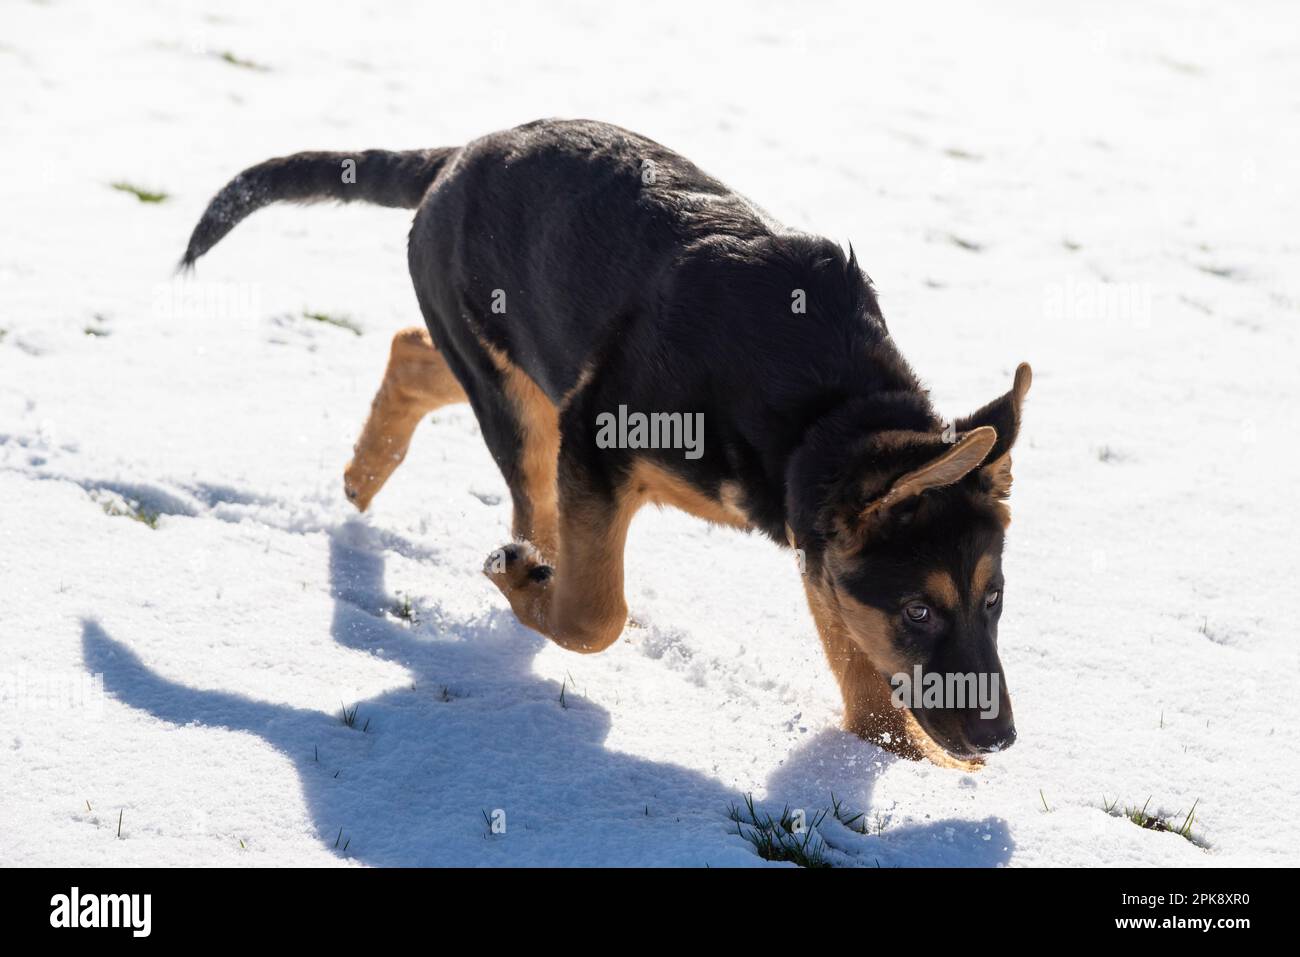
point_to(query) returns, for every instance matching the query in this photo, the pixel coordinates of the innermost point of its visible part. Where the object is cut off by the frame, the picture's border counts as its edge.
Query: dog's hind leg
(416, 382)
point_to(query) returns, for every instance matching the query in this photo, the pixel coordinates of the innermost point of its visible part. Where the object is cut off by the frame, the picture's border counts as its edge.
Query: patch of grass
(1110, 455)
(226, 56)
(1155, 822)
(120, 506)
(140, 193)
(349, 718)
(967, 244)
(403, 610)
(781, 839)
(341, 322)
(98, 327)
(857, 823)
(854, 822)
(1182, 66)
(1218, 636)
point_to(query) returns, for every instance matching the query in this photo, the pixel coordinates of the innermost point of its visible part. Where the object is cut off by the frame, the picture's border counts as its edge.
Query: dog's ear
(1003, 414)
(904, 464)
(948, 467)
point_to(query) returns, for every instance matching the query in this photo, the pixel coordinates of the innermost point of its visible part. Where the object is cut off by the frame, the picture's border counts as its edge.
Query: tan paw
(359, 485)
(523, 576)
(517, 566)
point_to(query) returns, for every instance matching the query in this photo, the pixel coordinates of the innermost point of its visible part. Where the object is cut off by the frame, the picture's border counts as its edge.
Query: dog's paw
(354, 496)
(358, 486)
(517, 566)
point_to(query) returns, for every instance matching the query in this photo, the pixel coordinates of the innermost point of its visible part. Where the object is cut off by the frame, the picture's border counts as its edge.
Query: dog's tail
(388, 178)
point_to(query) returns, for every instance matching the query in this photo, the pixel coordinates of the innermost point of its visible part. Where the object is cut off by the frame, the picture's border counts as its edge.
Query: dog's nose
(987, 736)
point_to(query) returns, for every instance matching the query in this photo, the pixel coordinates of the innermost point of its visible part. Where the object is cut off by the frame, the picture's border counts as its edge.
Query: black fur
(677, 292)
(632, 278)
(382, 177)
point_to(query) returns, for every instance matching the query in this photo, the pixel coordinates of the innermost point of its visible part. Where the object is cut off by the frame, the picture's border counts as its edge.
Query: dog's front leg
(578, 602)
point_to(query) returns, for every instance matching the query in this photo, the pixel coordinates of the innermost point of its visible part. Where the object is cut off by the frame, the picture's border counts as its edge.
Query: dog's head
(910, 556)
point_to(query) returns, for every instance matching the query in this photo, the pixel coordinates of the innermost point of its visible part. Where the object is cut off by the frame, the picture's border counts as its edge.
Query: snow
(1126, 179)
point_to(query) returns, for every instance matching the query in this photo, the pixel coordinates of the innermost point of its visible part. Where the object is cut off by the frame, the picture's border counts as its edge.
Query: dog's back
(552, 237)
(595, 261)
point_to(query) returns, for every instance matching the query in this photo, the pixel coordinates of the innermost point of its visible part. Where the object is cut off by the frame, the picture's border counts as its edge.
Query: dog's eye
(993, 598)
(917, 612)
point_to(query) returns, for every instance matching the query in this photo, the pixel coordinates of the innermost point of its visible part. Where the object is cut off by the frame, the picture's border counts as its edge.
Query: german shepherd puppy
(575, 277)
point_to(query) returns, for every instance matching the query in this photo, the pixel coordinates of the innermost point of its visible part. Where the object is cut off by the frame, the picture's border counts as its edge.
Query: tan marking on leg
(416, 381)
(660, 486)
(539, 423)
(868, 711)
(584, 378)
(731, 494)
(581, 605)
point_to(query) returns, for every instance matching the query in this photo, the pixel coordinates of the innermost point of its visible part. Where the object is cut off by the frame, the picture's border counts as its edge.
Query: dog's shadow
(421, 774)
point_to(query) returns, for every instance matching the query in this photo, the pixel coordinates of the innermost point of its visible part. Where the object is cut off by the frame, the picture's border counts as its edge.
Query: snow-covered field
(1110, 195)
